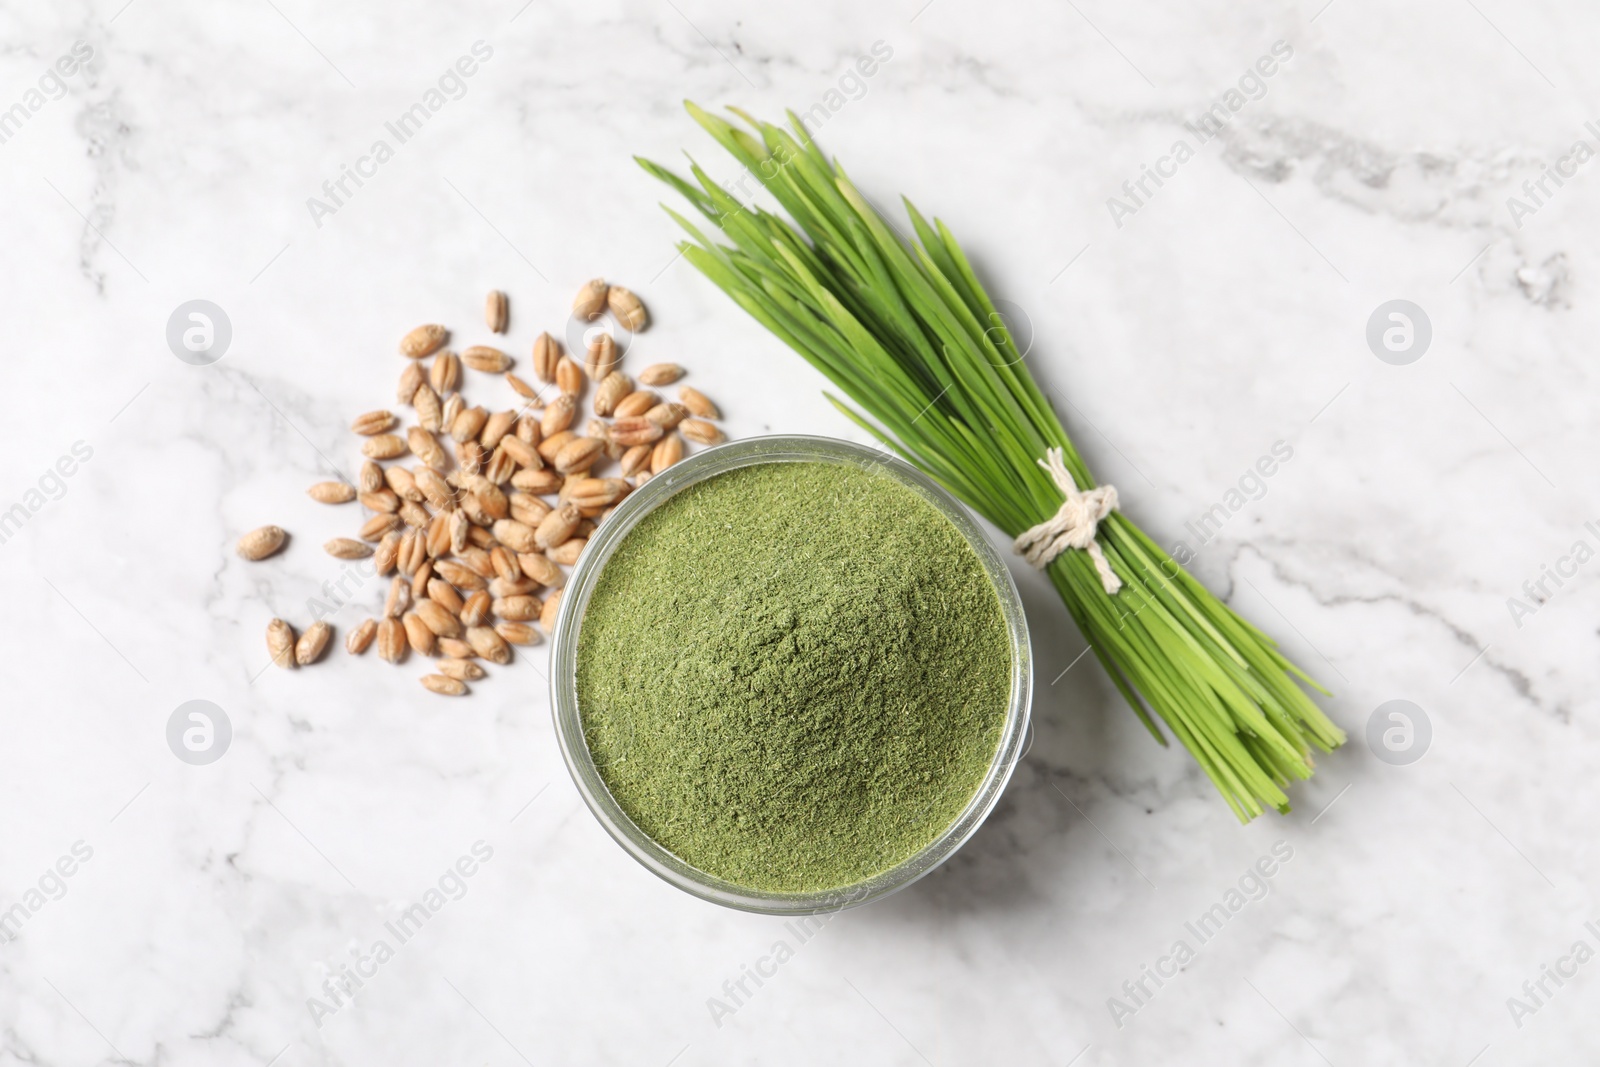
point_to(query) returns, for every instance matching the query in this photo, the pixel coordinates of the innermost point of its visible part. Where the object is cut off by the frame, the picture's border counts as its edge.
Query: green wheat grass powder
(793, 675)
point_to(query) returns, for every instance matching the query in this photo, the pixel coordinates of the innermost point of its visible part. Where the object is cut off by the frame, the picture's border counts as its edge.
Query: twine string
(1073, 526)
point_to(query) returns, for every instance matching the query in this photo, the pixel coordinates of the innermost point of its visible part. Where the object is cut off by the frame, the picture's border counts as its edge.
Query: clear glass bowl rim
(563, 674)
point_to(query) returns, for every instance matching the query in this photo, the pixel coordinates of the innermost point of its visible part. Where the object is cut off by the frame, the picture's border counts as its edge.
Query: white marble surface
(1232, 305)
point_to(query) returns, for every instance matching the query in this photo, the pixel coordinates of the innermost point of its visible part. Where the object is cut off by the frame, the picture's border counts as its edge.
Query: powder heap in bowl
(793, 675)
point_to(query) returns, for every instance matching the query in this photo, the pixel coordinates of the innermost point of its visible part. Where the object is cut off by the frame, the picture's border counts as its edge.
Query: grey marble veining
(1433, 912)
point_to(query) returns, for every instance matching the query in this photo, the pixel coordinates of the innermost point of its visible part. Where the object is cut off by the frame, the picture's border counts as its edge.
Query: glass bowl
(568, 716)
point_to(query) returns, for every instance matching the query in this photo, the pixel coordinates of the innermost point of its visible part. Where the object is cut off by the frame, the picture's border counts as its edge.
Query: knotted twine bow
(1073, 526)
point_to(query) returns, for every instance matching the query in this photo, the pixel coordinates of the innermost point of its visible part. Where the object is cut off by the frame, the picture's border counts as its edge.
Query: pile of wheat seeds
(472, 514)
